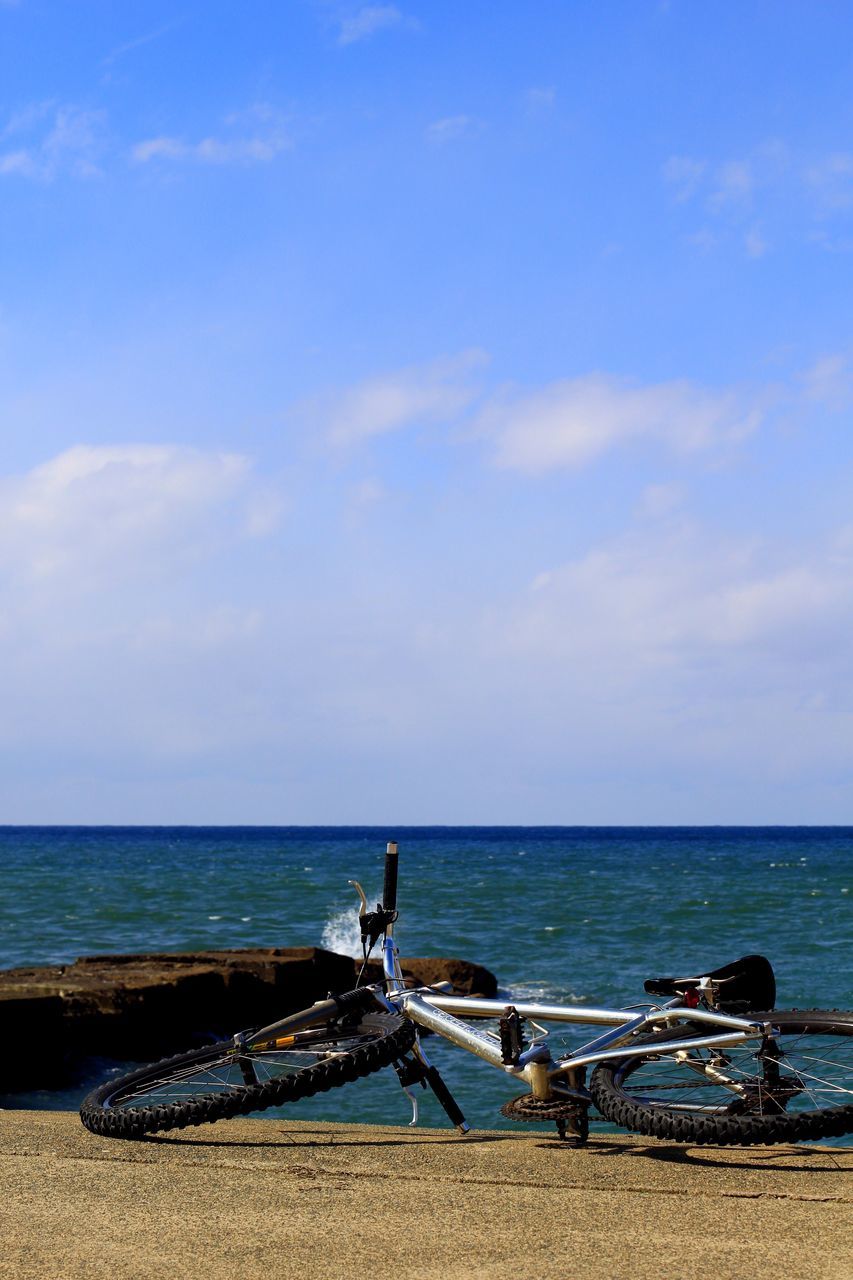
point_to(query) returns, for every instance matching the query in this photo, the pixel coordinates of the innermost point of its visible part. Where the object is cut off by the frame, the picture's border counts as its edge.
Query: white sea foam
(341, 933)
(541, 993)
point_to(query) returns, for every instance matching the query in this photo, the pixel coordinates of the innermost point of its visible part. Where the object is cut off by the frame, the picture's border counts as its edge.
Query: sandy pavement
(283, 1199)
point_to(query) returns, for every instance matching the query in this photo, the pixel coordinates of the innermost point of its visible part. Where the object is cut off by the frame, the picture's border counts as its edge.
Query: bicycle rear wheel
(798, 1085)
(220, 1081)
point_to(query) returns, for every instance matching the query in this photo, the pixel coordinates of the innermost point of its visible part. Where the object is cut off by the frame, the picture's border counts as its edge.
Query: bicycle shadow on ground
(787, 1159)
(794, 1159)
(322, 1138)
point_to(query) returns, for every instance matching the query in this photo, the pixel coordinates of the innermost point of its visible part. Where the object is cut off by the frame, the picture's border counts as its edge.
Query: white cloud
(370, 19)
(661, 499)
(829, 381)
(769, 187)
(451, 128)
(256, 136)
(210, 150)
(21, 162)
(573, 422)
(166, 148)
(728, 186)
(100, 512)
(139, 41)
(29, 116)
(683, 174)
(676, 611)
(146, 641)
(432, 392)
(831, 178)
(704, 239)
(368, 492)
(70, 142)
(128, 638)
(541, 100)
(755, 243)
(831, 243)
(734, 183)
(51, 141)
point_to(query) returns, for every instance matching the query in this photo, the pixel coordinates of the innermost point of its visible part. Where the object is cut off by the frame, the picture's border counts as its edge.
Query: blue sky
(426, 412)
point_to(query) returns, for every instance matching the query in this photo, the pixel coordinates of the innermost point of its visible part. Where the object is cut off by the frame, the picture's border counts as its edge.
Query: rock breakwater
(141, 1007)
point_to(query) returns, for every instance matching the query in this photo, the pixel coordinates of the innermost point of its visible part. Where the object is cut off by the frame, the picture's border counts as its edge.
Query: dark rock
(466, 978)
(142, 1007)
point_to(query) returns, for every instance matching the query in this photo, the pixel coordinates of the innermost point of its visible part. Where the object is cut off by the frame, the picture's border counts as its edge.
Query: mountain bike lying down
(708, 1061)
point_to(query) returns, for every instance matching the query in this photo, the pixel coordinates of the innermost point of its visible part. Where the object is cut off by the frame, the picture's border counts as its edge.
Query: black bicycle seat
(748, 983)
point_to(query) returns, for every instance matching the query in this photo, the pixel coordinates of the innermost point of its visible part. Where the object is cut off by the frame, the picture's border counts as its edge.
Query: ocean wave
(342, 933)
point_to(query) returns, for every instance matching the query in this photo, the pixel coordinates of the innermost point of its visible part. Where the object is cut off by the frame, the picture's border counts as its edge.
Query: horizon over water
(564, 914)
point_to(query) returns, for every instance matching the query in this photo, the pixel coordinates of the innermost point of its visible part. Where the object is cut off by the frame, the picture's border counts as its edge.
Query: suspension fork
(418, 1070)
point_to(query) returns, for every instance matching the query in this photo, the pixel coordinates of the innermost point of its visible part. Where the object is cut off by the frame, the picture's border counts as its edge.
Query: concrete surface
(274, 1198)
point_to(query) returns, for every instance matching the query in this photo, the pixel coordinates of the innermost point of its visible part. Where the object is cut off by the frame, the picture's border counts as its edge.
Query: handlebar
(389, 890)
(336, 1006)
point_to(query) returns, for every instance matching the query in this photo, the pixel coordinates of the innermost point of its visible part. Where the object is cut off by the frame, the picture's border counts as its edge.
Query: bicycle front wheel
(794, 1086)
(220, 1081)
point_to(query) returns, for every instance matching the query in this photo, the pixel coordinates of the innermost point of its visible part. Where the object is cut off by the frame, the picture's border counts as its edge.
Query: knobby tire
(108, 1112)
(612, 1082)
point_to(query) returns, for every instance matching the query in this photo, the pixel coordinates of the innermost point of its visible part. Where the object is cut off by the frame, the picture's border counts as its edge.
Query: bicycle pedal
(512, 1037)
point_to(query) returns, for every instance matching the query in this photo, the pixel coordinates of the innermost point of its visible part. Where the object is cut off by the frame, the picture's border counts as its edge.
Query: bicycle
(711, 1061)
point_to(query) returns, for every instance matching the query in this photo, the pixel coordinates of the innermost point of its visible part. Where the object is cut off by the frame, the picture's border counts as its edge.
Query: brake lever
(362, 911)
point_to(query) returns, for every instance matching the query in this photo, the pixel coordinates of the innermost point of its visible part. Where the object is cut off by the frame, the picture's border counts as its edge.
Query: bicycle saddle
(745, 984)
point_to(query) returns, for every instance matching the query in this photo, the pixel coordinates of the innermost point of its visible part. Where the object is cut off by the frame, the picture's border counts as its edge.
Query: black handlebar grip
(352, 1001)
(389, 890)
(321, 1011)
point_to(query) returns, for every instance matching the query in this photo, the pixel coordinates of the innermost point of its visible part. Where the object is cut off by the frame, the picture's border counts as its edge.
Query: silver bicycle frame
(437, 1013)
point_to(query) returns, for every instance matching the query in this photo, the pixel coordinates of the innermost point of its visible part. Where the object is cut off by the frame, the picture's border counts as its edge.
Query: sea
(560, 914)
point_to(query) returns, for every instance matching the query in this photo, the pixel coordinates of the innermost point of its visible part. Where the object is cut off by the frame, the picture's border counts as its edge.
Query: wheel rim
(232, 1071)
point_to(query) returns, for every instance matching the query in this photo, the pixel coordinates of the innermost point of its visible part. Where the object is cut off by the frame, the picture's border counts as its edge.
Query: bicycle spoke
(786, 1083)
(223, 1074)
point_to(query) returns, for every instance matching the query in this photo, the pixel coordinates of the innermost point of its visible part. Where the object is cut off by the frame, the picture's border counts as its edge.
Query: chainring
(528, 1107)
